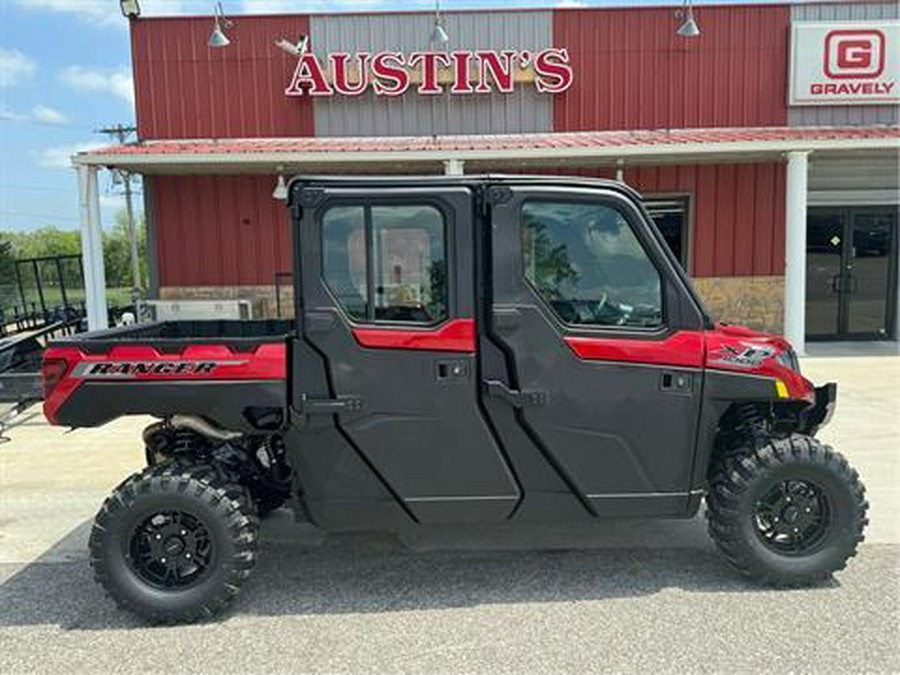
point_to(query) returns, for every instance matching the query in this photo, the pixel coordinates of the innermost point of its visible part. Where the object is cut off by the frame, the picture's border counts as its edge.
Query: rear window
(387, 262)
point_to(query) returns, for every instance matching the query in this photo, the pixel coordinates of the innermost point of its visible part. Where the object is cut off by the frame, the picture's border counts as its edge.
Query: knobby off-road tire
(787, 513)
(174, 544)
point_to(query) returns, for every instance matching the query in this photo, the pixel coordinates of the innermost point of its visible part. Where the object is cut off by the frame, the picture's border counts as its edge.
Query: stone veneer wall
(755, 302)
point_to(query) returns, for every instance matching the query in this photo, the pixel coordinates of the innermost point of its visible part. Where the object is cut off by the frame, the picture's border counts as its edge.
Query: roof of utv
(474, 181)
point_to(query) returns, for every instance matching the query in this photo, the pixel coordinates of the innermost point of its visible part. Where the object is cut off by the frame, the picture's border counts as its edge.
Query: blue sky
(65, 72)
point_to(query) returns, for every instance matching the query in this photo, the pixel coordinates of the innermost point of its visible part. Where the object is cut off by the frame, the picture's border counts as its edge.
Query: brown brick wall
(755, 302)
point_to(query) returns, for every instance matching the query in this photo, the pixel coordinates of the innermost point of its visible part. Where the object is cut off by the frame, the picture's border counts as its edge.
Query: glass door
(851, 281)
(824, 265)
(871, 282)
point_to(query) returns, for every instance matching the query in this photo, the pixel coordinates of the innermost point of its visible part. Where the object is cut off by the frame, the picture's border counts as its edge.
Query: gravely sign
(461, 72)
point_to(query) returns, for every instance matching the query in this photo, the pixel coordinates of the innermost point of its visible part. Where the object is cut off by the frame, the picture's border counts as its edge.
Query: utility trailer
(477, 349)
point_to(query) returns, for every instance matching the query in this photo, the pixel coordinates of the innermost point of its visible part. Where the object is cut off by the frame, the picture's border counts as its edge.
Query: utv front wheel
(788, 513)
(173, 547)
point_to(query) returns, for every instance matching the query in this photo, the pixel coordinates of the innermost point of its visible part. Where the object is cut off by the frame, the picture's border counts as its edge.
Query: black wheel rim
(171, 549)
(793, 517)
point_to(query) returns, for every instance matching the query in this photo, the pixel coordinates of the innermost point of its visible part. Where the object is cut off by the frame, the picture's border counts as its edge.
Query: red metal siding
(220, 231)
(738, 214)
(185, 89)
(633, 72)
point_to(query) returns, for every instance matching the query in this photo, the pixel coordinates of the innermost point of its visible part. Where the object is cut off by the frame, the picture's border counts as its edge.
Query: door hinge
(327, 406)
(516, 398)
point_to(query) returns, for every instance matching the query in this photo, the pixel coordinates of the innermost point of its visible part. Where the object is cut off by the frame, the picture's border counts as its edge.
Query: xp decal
(743, 355)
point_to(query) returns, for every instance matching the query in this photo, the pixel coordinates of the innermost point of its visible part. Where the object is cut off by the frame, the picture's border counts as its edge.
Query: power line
(121, 133)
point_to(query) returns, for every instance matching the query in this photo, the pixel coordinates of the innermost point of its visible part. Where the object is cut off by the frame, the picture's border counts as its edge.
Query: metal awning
(484, 152)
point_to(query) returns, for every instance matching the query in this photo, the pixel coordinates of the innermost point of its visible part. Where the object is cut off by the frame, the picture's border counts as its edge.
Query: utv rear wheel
(788, 513)
(173, 546)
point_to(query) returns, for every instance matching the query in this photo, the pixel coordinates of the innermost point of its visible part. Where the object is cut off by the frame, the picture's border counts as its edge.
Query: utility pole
(121, 133)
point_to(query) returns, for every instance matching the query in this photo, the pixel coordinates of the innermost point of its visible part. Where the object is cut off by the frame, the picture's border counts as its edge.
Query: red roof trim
(593, 139)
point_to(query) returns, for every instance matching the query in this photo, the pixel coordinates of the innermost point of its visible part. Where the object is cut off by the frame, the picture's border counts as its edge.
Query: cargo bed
(232, 372)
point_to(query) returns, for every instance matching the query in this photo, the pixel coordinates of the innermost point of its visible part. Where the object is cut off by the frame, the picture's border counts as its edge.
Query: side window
(585, 261)
(344, 264)
(387, 263)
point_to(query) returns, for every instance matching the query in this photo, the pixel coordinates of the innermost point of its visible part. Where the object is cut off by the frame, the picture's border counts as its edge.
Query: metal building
(767, 145)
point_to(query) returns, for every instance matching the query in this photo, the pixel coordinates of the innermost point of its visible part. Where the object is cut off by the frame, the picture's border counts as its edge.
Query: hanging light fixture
(439, 34)
(281, 191)
(218, 37)
(688, 27)
(131, 9)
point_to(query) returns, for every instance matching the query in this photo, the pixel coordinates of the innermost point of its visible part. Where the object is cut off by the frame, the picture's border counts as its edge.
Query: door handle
(836, 283)
(516, 398)
(506, 319)
(681, 383)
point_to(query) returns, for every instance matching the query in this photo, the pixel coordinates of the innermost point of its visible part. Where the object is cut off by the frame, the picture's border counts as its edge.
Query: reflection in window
(587, 264)
(407, 259)
(344, 264)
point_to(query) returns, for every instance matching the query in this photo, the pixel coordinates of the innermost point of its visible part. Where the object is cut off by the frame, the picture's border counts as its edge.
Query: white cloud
(10, 115)
(60, 156)
(112, 202)
(48, 115)
(104, 12)
(40, 114)
(568, 4)
(15, 67)
(116, 82)
(317, 6)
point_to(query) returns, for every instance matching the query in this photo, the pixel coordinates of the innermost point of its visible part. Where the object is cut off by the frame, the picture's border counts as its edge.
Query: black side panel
(223, 402)
(615, 437)
(420, 433)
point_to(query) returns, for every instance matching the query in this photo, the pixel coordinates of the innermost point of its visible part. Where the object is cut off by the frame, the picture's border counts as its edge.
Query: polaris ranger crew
(476, 349)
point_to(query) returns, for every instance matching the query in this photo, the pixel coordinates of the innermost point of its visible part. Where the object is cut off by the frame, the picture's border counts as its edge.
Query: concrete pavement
(636, 595)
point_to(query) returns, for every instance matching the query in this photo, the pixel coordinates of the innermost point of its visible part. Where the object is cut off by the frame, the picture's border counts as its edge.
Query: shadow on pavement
(303, 572)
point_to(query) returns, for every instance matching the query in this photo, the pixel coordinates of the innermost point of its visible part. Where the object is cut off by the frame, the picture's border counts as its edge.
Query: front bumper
(814, 418)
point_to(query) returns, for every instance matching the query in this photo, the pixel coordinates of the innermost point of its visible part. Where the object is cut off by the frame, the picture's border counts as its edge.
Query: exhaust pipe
(202, 427)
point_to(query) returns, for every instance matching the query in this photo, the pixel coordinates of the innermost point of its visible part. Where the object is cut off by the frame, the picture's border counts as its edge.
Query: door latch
(677, 382)
(516, 398)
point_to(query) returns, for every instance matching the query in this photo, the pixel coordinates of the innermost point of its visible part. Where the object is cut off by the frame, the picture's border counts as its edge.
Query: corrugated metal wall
(185, 89)
(220, 230)
(738, 214)
(847, 115)
(524, 110)
(227, 230)
(633, 72)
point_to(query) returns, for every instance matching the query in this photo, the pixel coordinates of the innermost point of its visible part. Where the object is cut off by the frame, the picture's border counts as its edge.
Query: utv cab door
(602, 346)
(387, 312)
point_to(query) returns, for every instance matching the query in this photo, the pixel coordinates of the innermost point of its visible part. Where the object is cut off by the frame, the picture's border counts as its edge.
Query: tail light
(52, 371)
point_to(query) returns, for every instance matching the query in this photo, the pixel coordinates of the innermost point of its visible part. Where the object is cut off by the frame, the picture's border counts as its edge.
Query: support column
(795, 250)
(454, 167)
(92, 247)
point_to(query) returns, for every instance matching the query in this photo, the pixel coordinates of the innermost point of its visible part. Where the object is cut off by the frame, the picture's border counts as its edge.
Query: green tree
(117, 252)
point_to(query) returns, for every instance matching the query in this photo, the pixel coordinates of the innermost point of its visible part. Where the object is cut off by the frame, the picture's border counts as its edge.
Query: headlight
(788, 358)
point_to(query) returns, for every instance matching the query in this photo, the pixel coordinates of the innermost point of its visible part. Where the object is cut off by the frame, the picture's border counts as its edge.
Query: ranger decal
(130, 369)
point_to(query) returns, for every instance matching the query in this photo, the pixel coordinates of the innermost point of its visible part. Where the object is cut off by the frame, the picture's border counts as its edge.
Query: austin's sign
(845, 63)
(459, 72)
